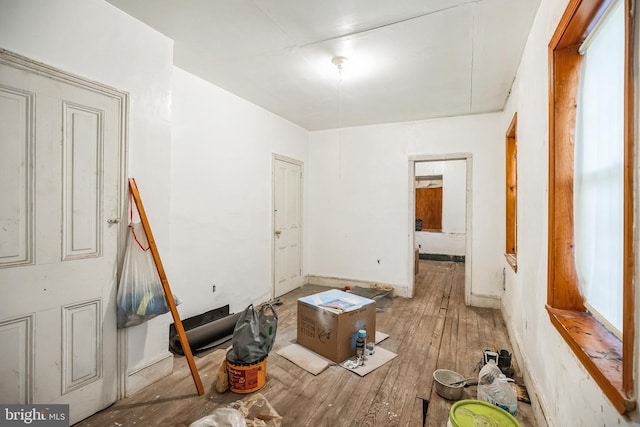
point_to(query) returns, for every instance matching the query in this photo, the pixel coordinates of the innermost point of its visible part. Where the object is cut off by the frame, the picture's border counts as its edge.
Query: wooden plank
(165, 286)
(439, 407)
(406, 388)
(381, 397)
(401, 386)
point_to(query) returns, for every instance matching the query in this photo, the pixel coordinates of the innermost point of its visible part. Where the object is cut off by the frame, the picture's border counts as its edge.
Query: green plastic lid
(478, 413)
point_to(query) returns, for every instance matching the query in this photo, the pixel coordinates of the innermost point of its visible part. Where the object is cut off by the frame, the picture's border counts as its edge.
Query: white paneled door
(287, 227)
(60, 148)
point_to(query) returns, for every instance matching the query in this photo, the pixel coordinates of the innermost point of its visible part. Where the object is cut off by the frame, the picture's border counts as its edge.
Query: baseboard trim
(443, 257)
(338, 282)
(485, 301)
(148, 373)
(537, 403)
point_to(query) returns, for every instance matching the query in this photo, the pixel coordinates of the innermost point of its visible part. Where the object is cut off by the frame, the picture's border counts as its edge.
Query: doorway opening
(440, 212)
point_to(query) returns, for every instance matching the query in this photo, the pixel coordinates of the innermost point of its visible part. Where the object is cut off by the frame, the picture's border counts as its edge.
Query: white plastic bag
(254, 411)
(488, 374)
(221, 417)
(140, 295)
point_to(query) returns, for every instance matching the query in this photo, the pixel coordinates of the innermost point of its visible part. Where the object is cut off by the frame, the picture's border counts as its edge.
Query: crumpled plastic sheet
(253, 411)
(221, 417)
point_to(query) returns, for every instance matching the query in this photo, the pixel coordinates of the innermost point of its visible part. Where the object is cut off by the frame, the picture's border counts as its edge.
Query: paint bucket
(470, 413)
(246, 377)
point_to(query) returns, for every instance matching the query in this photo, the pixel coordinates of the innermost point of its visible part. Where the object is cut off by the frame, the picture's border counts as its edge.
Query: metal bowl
(443, 378)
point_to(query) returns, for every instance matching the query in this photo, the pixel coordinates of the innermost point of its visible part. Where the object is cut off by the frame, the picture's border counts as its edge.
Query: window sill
(598, 350)
(512, 261)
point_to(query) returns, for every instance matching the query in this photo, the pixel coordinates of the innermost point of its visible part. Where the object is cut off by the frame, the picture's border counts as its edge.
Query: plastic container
(370, 349)
(474, 413)
(246, 377)
(502, 394)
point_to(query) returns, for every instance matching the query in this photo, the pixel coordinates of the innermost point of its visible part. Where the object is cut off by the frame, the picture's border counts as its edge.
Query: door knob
(112, 221)
(278, 232)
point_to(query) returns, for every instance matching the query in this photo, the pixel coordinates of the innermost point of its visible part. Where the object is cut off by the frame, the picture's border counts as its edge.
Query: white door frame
(27, 64)
(467, 157)
(283, 158)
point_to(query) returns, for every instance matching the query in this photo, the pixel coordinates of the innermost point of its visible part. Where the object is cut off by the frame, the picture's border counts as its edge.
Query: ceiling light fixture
(340, 61)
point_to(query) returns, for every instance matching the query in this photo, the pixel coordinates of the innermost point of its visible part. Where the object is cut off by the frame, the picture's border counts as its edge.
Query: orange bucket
(245, 377)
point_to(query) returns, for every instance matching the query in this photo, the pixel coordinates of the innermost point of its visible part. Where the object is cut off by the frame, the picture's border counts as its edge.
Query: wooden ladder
(165, 286)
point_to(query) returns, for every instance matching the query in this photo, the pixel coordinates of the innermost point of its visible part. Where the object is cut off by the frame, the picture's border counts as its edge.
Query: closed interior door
(59, 191)
(287, 239)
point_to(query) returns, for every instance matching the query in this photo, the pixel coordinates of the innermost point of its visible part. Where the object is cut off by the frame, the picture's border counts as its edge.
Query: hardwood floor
(433, 330)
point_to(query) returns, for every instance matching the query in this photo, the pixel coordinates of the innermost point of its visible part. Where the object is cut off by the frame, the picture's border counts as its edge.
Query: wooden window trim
(512, 261)
(609, 360)
(511, 242)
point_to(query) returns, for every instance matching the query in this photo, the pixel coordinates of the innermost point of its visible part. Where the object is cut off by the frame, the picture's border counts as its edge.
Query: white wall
(568, 394)
(95, 40)
(451, 239)
(359, 187)
(221, 215)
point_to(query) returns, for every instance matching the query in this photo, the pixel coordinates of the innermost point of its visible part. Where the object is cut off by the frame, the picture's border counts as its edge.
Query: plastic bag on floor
(221, 417)
(258, 412)
(254, 411)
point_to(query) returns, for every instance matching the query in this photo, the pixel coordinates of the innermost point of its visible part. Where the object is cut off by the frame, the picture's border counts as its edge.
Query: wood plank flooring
(433, 330)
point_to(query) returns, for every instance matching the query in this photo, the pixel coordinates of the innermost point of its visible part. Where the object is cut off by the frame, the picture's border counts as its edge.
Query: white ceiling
(408, 59)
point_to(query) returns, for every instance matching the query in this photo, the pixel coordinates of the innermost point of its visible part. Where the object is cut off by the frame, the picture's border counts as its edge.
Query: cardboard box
(328, 323)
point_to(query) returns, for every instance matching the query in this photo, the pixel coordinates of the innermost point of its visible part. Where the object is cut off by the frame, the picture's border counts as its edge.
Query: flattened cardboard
(328, 323)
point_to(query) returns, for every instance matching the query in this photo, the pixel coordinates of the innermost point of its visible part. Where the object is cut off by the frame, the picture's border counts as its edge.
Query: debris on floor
(382, 295)
(221, 383)
(254, 411)
(523, 395)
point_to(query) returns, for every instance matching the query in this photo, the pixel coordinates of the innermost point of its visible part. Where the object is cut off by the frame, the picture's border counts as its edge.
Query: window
(511, 249)
(598, 170)
(578, 172)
